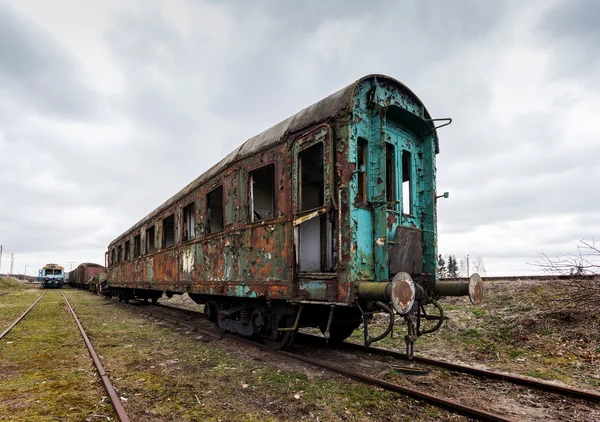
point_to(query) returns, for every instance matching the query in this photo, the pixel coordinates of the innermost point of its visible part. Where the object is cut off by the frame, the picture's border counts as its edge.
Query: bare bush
(582, 287)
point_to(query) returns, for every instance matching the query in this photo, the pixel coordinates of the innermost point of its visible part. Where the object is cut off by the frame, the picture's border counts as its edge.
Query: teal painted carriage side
(385, 113)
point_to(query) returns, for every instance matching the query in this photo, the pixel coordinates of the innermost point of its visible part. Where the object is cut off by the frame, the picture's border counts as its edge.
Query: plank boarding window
(119, 253)
(137, 246)
(361, 167)
(262, 193)
(311, 174)
(214, 210)
(168, 232)
(127, 248)
(150, 242)
(189, 222)
(406, 183)
(390, 174)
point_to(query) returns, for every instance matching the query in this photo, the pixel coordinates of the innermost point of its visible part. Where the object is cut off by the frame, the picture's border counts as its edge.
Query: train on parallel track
(83, 275)
(52, 275)
(323, 220)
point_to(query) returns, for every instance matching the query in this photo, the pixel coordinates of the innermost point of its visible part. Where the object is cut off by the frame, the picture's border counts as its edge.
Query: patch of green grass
(479, 312)
(541, 374)
(47, 372)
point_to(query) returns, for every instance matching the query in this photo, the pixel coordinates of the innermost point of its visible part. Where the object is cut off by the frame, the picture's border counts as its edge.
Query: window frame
(163, 242)
(207, 229)
(362, 176)
(410, 183)
(137, 245)
(391, 189)
(298, 187)
(150, 242)
(183, 227)
(250, 198)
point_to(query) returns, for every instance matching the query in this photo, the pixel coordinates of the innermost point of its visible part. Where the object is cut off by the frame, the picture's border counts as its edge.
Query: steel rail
(439, 401)
(421, 395)
(514, 379)
(5, 332)
(114, 397)
(193, 326)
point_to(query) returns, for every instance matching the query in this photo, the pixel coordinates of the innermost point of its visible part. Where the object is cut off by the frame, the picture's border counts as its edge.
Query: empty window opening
(262, 193)
(168, 238)
(127, 247)
(150, 242)
(137, 246)
(406, 183)
(119, 253)
(312, 182)
(214, 211)
(189, 222)
(112, 257)
(361, 164)
(390, 174)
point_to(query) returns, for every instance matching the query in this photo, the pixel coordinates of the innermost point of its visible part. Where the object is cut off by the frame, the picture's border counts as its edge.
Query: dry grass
(518, 329)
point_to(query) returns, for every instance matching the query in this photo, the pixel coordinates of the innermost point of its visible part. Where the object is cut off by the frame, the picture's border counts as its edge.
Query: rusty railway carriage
(322, 220)
(80, 276)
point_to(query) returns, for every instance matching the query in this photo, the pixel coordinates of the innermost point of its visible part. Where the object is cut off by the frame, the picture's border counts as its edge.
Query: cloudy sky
(107, 108)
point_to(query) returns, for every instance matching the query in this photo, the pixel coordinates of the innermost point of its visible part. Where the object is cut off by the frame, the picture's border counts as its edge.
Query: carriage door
(313, 214)
(404, 208)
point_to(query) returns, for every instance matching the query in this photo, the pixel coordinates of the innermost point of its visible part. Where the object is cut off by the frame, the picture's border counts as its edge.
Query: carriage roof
(338, 102)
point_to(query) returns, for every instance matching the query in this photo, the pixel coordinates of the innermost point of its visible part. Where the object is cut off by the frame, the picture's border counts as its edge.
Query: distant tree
(453, 270)
(442, 270)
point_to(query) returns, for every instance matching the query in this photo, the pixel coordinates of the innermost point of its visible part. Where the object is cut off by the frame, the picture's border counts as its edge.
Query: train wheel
(339, 331)
(155, 299)
(283, 339)
(211, 311)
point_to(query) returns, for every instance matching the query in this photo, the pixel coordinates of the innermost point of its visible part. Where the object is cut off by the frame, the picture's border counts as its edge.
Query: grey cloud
(571, 31)
(38, 72)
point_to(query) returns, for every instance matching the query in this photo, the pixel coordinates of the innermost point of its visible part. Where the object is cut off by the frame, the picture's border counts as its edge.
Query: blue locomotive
(52, 275)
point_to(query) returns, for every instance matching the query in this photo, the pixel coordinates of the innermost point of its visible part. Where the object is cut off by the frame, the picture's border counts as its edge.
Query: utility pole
(12, 262)
(468, 266)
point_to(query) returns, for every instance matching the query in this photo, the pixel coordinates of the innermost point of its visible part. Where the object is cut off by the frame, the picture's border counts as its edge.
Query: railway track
(114, 398)
(110, 390)
(165, 313)
(5, 332)
(511, 378)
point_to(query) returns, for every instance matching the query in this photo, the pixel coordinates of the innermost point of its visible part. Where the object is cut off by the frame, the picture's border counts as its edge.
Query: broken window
(406, 183)
(137, 246)
(390, 174)
(312, 182)
(361, 167)
(214, 211)
(262, 193)
(119, 253)
(168, 238)
(189, 222)
(127, 247)
(150, 242)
